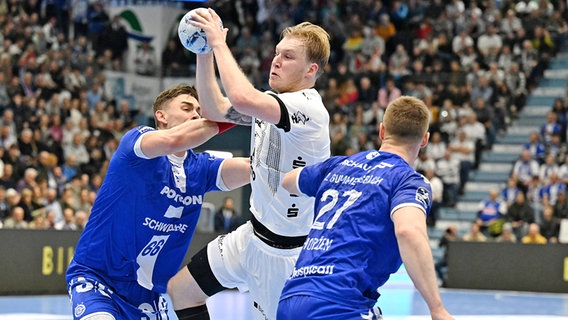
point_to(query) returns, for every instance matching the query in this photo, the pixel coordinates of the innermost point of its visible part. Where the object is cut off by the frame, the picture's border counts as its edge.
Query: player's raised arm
(185, 136)
(241, 93)
(179, 124)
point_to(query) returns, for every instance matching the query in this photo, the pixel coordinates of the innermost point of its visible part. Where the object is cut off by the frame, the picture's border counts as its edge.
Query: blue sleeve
(311, 177)
(414, 190)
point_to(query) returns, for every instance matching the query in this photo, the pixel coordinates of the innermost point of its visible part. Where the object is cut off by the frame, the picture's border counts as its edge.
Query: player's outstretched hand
(212, 24)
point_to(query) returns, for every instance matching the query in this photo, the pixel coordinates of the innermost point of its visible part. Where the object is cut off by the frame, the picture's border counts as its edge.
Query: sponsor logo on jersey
(185, 200)
(164, 226)
(312, 270)
(365, 166)
(79, 310)
(299, 117)
(423, 196)
(144, 129)
(372, 155)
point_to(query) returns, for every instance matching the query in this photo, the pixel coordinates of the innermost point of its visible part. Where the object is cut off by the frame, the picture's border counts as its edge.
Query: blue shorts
(312, 308)
(90, 296)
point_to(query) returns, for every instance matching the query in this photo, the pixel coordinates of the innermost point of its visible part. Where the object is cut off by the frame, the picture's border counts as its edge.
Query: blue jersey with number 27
(351, 249)
(143, 218)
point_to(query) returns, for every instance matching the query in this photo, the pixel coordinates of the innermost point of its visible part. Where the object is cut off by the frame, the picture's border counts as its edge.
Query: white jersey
(300, 138)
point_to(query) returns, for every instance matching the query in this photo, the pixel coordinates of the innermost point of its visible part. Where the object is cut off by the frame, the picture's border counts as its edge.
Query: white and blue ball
(192, 38)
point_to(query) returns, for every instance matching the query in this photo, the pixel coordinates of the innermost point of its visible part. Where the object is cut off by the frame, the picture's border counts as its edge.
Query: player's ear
(160, 118)
(425, 139)
(313, 69)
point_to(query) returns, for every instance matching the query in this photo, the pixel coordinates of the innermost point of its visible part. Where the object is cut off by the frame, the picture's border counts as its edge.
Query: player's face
(181, 109)
(290, 66)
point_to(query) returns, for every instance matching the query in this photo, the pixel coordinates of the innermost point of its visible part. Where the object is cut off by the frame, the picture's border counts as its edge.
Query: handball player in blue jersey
(369, 218)
(146, 211)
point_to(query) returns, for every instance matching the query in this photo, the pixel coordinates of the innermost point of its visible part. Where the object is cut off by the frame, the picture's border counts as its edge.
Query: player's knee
(99, 316)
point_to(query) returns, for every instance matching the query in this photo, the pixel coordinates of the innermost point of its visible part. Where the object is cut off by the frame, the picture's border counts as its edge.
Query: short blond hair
(316, 40)
(406, 119)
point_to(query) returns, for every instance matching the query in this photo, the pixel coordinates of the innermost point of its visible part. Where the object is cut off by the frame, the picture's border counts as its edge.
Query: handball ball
(193, 38)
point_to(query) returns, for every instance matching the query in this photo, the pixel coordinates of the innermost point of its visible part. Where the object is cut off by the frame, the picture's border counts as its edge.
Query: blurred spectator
(448, 169)
(79, 17)
(489, 44)
(510, 191)
(77, 149)
(52, 205)
(550, 128)
(548, 168)
(477, 131)
(436, 147)
(68, 222)
(4, 206)
(28, 181)
(145, 62)
(83, 203)
(437, 195)
(519, 215)
(509, 24)
(536, 148)
(60, 179)
(28, 204)
(551, 189)
(561, 206)
(450, 234)
(462, 41)
(388, 93)
(39, 221)
(226, 218)
(423, 162)
(175, 62)
(8, 179)
(474, 234)
(81, 219)
(398, 63)
(70, 167)
(386, 30)
(533, 235)
(557, 149)
(116, 39)
(550, 225)
(491, 214)
(524, 169)
(367, 93)
(463, 150)
(507, 234)
(97, 19)
(516, 81)
(16, 219)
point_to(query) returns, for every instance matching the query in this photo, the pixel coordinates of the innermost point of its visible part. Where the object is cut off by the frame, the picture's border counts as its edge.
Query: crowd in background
(472, 62)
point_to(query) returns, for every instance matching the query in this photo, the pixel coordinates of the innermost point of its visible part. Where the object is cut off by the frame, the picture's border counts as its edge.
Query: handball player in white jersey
(289, 130)
(146, 211)
(370, 217)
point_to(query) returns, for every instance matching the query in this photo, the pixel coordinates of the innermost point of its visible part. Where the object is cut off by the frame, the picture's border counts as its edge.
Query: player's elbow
(408, 232)
(240, 101)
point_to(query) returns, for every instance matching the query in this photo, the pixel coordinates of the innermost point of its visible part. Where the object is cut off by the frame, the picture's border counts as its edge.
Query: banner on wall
(156, 24)
(140, 91)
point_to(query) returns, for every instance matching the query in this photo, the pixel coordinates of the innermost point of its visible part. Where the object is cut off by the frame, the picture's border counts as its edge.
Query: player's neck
(406, 152)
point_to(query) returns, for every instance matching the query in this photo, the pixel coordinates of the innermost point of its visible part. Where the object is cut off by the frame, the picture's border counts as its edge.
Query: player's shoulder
(137, 131)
